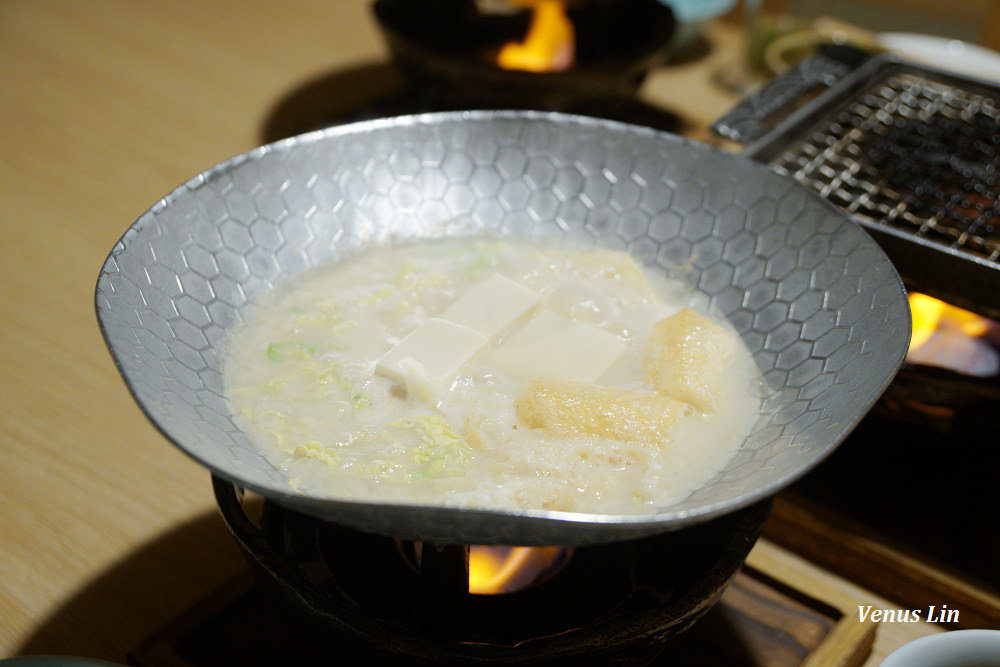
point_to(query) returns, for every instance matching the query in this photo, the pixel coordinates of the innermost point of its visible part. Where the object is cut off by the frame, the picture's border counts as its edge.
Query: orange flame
(930, 314)
(549, 45)
(948, 336)
(494, 570)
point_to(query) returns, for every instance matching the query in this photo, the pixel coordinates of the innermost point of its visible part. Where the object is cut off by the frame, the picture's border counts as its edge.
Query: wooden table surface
(106, 530)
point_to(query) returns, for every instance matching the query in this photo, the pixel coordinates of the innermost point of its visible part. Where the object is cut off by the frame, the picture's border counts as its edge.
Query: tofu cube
(558, 347)
(492, 305)
(568, 407)
(434, 351)
(686, 357)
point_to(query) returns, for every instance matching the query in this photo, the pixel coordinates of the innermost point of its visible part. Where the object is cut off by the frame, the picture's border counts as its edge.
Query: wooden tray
(858, 554)
(759, 621)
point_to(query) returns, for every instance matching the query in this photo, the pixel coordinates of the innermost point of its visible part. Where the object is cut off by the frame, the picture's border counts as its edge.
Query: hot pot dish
(501, 327)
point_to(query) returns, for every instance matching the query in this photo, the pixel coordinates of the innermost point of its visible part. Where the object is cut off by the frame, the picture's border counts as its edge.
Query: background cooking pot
(449, 46)
(813, 297)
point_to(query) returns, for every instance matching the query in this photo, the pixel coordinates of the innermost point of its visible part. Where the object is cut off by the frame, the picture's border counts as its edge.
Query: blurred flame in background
(550, 43)
(949, 337)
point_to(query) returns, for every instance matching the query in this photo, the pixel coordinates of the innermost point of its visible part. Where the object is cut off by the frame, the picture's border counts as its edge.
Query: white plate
(948, 54)
(958, 648)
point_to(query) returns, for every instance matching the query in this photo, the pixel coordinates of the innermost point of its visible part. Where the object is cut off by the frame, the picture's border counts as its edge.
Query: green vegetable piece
(277, 349)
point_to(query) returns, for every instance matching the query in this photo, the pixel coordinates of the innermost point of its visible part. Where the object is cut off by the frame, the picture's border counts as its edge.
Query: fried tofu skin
(686, 357)
(570, 407)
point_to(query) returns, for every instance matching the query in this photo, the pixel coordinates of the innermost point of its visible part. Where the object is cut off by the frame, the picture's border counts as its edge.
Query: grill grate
(913, 153)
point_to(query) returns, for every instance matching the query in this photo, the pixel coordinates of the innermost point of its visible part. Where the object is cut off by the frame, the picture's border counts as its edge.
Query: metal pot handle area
(760, 111)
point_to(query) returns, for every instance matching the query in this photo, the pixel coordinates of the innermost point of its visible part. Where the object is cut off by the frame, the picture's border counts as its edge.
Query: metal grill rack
(913, 153)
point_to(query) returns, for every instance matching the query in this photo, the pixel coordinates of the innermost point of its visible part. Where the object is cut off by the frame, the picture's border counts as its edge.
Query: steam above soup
(493, 374)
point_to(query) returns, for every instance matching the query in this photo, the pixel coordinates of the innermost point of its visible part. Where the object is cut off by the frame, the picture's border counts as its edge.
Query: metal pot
(814, 298)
